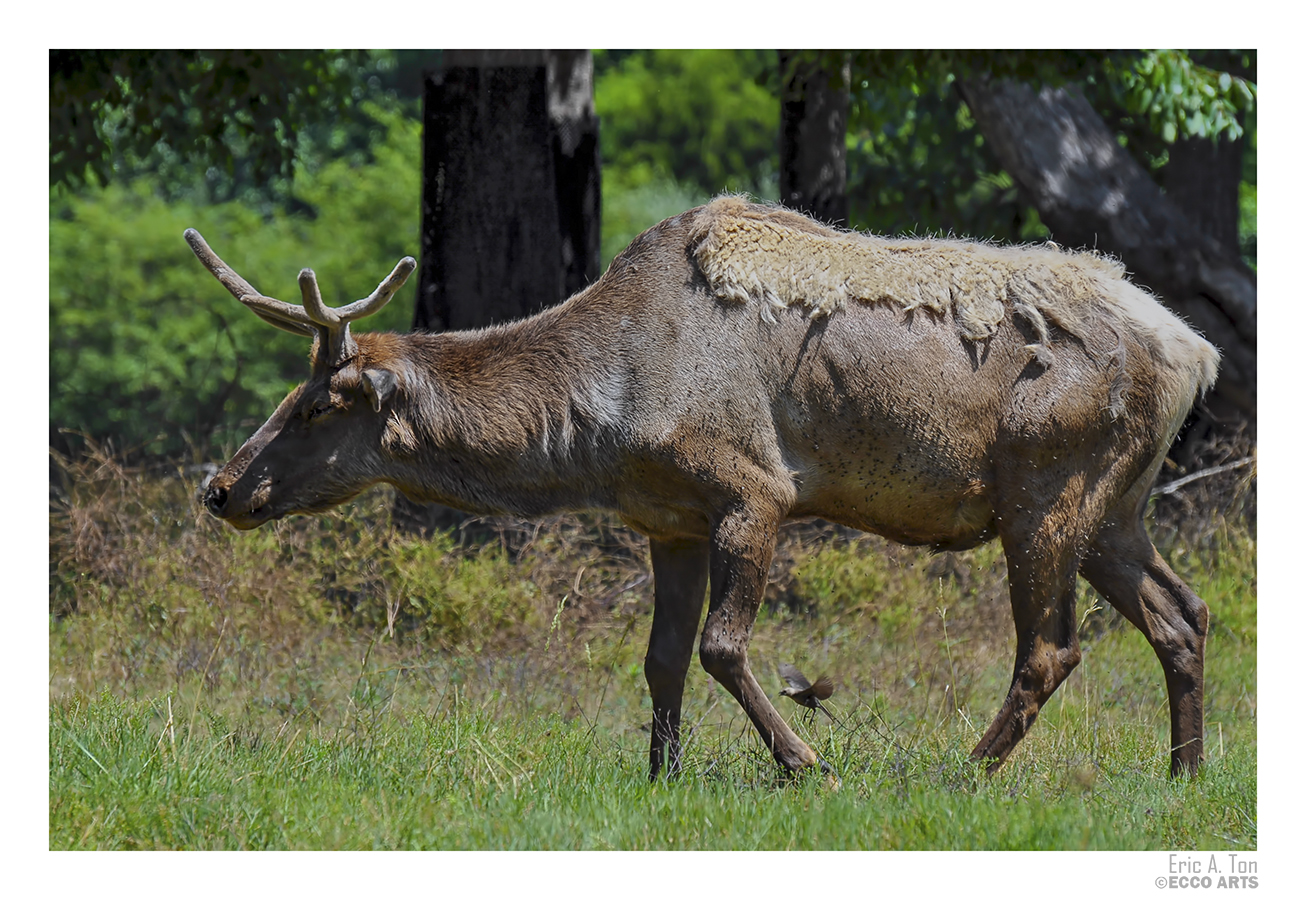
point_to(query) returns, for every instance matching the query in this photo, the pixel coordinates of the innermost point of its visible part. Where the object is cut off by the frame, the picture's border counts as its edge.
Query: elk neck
(516, 418)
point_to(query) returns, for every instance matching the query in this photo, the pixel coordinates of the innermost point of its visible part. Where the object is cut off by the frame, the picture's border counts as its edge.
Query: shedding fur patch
(398, 438)
(779, 259)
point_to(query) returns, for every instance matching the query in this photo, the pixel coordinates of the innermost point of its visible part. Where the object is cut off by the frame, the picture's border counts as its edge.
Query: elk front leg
(679, 584)
(1126, 569)
(1041, 566)
(742, 545)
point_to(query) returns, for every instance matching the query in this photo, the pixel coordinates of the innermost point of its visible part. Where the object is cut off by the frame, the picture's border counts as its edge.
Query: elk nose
(215, 498)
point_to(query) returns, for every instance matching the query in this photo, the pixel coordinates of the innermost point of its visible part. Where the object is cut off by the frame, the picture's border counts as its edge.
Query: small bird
(803, 692)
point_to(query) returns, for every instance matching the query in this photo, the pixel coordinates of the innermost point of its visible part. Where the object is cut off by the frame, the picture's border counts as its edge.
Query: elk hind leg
(679, 585)
(1124, 567)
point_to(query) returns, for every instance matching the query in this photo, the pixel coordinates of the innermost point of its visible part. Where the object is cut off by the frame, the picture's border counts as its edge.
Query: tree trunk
(1202, 179)
(574, 129)
(1091, 193)
(813, 132)
(510, 196)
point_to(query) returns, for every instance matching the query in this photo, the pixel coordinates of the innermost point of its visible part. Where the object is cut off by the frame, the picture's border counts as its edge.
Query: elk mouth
(254, 518)
(248, 521)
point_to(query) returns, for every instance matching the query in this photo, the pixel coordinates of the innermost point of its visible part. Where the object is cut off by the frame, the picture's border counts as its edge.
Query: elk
(739, 365)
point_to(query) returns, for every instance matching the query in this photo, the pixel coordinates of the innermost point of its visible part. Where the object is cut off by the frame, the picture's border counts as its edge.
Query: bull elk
(739, 365)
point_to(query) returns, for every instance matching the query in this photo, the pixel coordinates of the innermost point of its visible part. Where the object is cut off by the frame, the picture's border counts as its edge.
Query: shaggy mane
(779, 259)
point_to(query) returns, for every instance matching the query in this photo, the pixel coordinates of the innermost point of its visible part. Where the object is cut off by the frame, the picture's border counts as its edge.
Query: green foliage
(628, 211)
(1247, 222)
(679, 127)
(117, 113)
(146, 347)
(1247, 195)
(699, 117)
(850, 580)
(1225, 576)
(1180, 98)
(426, 589)
(1178, 95)
(917, 164)
(1043, 66)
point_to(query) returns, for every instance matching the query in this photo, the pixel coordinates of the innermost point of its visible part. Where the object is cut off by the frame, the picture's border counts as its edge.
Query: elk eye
(320, 408)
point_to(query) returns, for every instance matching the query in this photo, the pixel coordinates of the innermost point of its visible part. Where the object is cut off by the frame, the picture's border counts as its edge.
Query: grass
(131, 778)
(330, 684)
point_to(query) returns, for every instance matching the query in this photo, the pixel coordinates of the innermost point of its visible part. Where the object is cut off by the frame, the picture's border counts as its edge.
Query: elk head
(319, 448)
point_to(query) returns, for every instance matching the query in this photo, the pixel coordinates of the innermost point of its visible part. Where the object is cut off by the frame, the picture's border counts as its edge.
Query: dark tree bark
(510, 189)
(1202, 176)
(1091, 193)
(1201, 179)
(490, 245)
(813, 128)
(510, 195)
(574, 129)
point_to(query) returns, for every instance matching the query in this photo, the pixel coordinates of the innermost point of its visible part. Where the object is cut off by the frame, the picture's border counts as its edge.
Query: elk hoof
(832, 779)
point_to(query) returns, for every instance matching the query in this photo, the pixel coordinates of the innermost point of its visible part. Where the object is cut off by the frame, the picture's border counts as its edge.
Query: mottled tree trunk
(510, 196)
(1091, 193)
(813, 132)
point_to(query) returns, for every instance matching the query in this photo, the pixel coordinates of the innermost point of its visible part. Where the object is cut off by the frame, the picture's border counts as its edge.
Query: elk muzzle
(215, 500)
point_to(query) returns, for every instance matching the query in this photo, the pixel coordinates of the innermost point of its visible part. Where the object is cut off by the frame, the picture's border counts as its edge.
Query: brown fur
(738, 365)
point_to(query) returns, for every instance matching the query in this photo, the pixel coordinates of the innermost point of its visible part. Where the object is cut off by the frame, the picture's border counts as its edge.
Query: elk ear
(379, 385)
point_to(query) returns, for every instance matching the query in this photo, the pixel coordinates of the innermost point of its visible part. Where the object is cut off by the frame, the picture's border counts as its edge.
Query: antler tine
(277, 317)
(238, 286)
(381, 296)
(318, 311)
(275, 312)
(338, 344)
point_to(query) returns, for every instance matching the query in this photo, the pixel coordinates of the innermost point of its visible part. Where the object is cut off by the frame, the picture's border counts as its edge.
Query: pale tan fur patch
(779, 259)
(398, 438)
